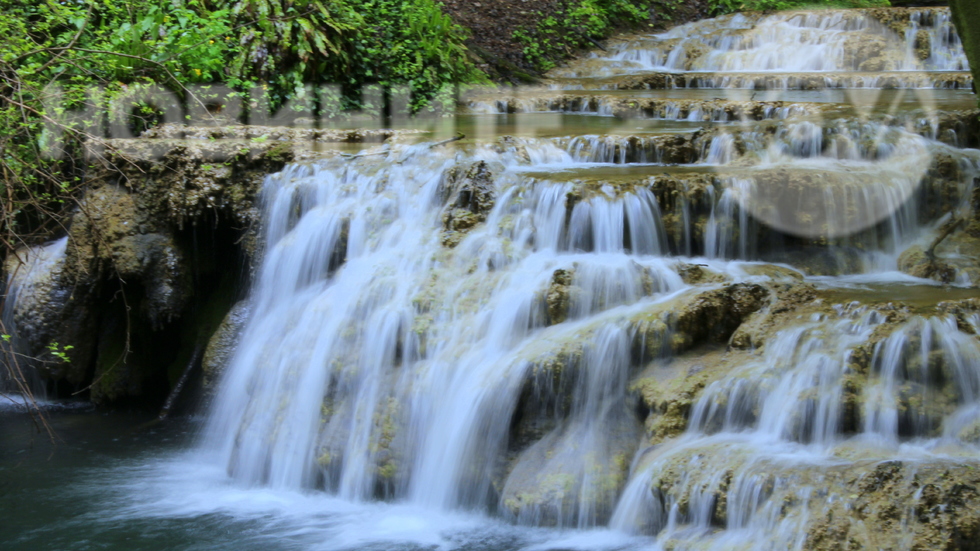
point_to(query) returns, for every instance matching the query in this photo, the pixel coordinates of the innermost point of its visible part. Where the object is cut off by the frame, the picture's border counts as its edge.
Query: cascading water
(406, 334)
(30, 272)
(535, 327)
(850, 49)
(791, 415)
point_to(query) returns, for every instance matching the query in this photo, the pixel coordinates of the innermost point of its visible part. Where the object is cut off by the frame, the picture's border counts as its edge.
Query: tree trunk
(966, 17)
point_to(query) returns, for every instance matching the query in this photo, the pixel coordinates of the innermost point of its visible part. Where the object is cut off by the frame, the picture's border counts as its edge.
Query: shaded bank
(966, 15)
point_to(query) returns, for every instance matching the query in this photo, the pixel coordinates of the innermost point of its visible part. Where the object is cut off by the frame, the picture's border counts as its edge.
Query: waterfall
(363, 324)
(791, 414)
(922, 358)
(29, 286)
(833, 48)
(639, 330)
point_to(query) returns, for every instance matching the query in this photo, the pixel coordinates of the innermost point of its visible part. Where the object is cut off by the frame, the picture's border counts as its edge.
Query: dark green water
(123, 482)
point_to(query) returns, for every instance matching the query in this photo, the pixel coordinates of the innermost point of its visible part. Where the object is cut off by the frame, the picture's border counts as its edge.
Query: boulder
(469, 194)
(223, 342)
(916, 262)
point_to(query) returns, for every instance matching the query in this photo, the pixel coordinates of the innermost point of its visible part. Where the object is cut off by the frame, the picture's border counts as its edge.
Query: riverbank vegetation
(966, 17)
(575, 25)
(99, 51)
(72, 71)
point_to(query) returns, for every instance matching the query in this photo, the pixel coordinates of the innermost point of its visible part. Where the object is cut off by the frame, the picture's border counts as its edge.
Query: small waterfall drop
(830, 48)
(28, 288)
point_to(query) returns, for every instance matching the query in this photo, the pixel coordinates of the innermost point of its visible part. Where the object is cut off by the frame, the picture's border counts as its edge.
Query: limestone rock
(470, 195)
(568, 476)
(773, 272)
(916, 262)
(223, 342)
(943, 509)
(715, 315)
(695, 274)
(156, 216)
(861, 504)
(112, 235)
(38, 301)
(559, 296)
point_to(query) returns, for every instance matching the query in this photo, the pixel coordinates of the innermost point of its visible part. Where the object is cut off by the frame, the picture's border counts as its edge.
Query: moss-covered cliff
(966, 16)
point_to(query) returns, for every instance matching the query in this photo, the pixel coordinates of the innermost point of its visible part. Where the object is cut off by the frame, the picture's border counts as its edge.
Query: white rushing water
(765, 433)
(460, 330)
(851, 48)
(400, 368)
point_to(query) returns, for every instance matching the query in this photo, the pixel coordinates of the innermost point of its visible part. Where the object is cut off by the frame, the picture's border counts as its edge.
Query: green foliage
(287, 44)
(179, 38)
(60, 352)
(99, 41)
(575, 25)
(412, 43)
(966, 17)
(110, 52)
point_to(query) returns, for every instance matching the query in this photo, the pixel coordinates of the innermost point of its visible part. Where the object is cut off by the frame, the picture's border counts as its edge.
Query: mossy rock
(222, 344)
(470, 195)
(916, 262)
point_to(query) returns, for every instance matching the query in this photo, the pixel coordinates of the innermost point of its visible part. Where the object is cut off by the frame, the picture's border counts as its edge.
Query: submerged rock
(567, 478)
(915, 261)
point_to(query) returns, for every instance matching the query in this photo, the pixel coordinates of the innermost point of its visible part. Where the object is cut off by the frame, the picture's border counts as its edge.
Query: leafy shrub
(125, 47)
(412, 43)
(289, 44)
(576, 24)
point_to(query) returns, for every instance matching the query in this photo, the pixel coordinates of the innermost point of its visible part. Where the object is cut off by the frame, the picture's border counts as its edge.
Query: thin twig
(947, 229)
(352, 156)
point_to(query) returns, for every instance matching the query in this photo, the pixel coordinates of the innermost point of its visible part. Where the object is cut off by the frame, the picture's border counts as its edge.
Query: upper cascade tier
(840, 44)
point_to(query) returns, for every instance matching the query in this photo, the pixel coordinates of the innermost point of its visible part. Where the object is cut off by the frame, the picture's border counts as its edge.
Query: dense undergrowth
(576, 24)
(101, 52)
